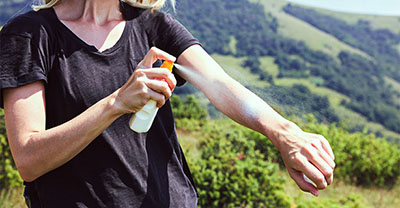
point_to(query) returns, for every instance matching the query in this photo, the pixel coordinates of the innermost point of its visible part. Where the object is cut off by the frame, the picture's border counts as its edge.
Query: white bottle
(142, 120)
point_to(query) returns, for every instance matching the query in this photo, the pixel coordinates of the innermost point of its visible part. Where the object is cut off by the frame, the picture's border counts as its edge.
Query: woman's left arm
(302, 152)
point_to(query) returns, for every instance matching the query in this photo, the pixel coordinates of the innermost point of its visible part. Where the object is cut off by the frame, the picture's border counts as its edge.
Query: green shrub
(232, 173)
(9, 176)
(360, 158)
(265, 146)
(235, 168)
(189, 108)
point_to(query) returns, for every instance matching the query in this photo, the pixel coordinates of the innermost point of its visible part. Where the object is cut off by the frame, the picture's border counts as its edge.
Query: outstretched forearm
(304, 154)
(246, 108)
(230, 97)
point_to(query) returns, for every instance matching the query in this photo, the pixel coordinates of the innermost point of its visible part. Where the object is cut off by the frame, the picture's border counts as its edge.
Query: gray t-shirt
(120, 168)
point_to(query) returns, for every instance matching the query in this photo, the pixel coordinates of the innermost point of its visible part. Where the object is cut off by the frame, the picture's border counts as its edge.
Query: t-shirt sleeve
(171, 36)
(22, 49)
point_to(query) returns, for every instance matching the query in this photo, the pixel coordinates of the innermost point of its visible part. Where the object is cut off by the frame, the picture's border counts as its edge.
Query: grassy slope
(395, 86)
(377, 22)
(348, 117)
(292, 27)
(394, 83)
(233, 67)
(370, 196)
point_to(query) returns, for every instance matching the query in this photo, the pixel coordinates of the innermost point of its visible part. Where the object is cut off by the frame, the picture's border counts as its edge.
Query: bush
(235, 170)
(9, 176)
(237, 167)
(231, 173)
(190, 108)
(265, 146)
(361, 158)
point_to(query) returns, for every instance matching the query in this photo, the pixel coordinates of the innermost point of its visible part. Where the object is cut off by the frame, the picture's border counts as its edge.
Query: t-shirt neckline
(92, 48)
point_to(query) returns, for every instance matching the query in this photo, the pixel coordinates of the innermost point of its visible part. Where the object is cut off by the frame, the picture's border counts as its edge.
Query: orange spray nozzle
(168, 65)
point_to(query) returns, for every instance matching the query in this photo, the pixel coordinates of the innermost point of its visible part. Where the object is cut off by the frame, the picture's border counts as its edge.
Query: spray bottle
(142, 120)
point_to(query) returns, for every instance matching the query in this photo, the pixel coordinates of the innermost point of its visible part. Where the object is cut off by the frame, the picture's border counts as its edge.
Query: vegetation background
(335, 74)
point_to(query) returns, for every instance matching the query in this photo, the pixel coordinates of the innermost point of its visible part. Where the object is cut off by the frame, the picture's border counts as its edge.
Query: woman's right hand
(146, 83)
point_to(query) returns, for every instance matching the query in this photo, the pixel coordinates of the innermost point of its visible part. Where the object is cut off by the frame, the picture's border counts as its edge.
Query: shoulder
(156, 15)
(150, 19)
(157, 18)
(30, 24)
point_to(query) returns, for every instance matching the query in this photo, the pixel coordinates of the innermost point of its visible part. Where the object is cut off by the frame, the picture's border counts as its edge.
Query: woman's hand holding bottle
(146, 83)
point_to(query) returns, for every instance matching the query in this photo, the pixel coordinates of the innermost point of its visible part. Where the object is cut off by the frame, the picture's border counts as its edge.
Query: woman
(73, 73)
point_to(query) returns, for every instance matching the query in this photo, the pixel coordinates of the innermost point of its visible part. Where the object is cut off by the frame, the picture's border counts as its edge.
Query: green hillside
(377, 22)
(290, 26)
(360, 81)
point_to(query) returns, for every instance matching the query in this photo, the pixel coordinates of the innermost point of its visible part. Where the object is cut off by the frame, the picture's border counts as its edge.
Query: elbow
(27, 174)
(26, 169)
(26, 160)
(27, 178)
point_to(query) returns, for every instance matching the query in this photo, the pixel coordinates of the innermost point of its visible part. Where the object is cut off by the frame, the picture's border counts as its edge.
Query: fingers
(138, 90)
(152, 73)
(321, 155)
(315, 175)
(160, 87)
(152, 56)
(325, 156)
(159, 98)
(301, 163)
(298, 177)
(323, 166)
(319, 159)
(327, 147)
(159, 74)
(320, 141)
(153, 89)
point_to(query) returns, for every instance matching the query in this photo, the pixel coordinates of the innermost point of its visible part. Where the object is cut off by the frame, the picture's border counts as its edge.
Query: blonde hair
(146, 4)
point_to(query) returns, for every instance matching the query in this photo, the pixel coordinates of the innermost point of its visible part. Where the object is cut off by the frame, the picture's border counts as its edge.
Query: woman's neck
(97, 22)
(98, 12)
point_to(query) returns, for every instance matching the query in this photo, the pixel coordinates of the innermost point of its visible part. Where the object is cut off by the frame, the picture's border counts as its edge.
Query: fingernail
(172, 58)
(315, 193)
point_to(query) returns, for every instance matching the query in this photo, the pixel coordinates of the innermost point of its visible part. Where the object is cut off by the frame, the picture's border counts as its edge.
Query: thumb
(301, 181)
(153, 55)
